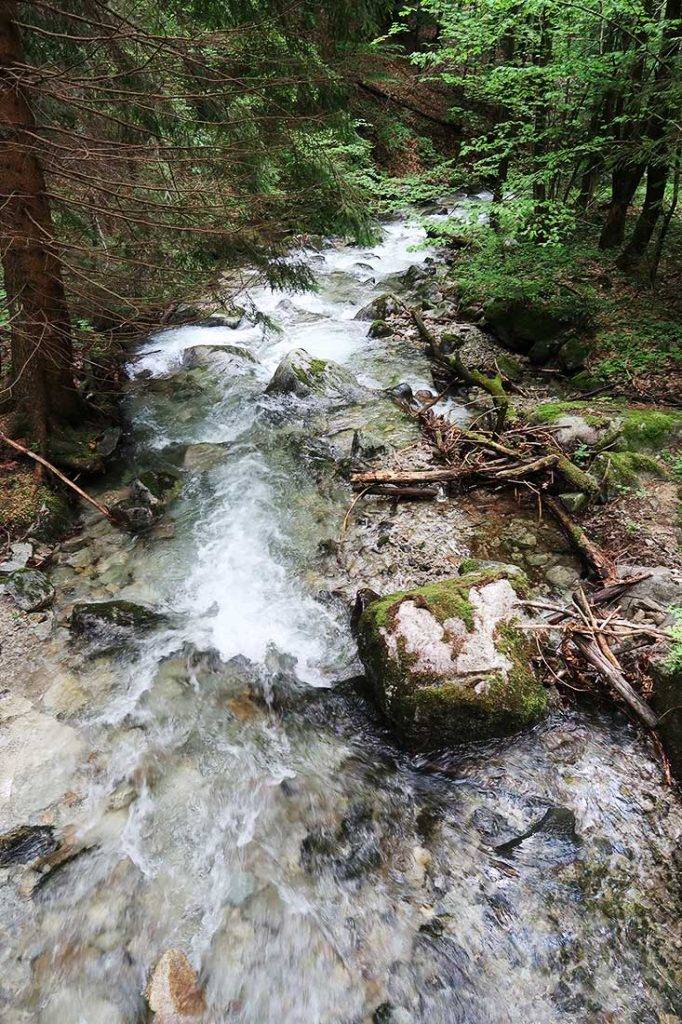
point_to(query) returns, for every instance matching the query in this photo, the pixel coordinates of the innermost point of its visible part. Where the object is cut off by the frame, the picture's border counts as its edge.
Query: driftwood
(409, 493)
(591, 555)
(400, 477)
(113, 517)
(592, 653)
(589, 634)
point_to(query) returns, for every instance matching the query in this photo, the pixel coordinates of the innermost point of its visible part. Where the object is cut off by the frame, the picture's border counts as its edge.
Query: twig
(104, 510)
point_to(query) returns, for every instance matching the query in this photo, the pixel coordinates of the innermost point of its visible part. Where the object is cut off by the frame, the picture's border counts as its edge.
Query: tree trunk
(662, 112)
(635, 250)
(624, 182)
(42, 385)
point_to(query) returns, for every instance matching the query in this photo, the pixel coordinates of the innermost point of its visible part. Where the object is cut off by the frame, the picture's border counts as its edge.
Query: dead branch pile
(526, 457)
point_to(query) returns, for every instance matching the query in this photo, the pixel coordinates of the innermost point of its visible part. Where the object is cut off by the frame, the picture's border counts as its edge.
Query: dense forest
(340, 522)
(145, 148)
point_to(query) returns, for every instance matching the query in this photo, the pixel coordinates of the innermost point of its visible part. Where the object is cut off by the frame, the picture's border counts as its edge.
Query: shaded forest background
(149, 153)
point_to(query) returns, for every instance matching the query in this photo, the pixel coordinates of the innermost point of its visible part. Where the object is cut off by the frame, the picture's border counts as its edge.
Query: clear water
(311, 871)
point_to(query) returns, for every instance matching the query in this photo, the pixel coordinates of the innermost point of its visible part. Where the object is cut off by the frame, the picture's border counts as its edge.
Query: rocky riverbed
(206, 817)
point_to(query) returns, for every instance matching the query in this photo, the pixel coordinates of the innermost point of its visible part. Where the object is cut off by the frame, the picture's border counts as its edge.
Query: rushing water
(245, 805)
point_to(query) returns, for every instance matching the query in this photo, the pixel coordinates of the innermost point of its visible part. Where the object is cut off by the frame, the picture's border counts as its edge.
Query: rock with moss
(302, 375)
(224, 358)
(112, 625)
(379, 309)
(83, 449)
(380, 329)
(33, 509)
(612, 423)
(618, 471)
(479, 352)
(651, 429)
(450, 662)
(538, 324)
(30, 589)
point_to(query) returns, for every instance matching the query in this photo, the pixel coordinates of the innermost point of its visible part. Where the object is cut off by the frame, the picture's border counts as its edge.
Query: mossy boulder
(224, 358)
(380, 329)
(538, 327)
(83, 449)
(302, 375)
(33, 509)
(450, 662)
(30, 589)
(111, 625)
(478, 351)
(613, 423)
(379, 309)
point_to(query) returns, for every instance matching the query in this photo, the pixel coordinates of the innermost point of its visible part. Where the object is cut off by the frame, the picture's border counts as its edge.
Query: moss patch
(651, 428)
(24, 505)
(623, 469)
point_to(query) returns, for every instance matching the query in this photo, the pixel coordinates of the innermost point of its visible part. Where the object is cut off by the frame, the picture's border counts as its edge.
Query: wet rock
(232, 318)
(557, 823)
(64, 696)
(201, 457)
(379, 309)
(156, 486)
(38, 757)
(480, 352)
(26, 843)
(380, 329)
(30, 589)
(112, 624)
(18, 557)
(449, 662)
(219, 357)
(302, 375)
(68, 846)
(173, 993)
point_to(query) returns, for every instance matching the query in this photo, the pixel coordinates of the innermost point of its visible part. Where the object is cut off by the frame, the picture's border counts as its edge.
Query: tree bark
(42, 385)
(624, 182)
(635, 251)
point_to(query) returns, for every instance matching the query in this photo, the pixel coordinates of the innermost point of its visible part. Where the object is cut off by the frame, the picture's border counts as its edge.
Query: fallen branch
(592, 653)
(594, 558)
(411, 493)
(104, 510)
(400, 477)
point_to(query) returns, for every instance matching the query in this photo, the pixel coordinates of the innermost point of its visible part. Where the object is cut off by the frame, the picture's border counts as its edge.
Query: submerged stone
(449, 662)
(25, 843)
(302, 375)
(173, 993)
(30, 589)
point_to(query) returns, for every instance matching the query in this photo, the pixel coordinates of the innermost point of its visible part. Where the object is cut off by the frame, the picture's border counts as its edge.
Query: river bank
(210, 781)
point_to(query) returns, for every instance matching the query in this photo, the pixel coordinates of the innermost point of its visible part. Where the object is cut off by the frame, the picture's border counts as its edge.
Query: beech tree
(566, 104)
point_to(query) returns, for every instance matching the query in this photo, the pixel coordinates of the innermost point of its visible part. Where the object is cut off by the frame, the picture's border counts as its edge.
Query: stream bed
(235, 796)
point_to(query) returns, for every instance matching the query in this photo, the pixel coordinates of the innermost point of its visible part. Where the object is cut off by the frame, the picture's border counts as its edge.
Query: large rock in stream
(302, 375)
(449, 662)
(111, 625)
(30, 589)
